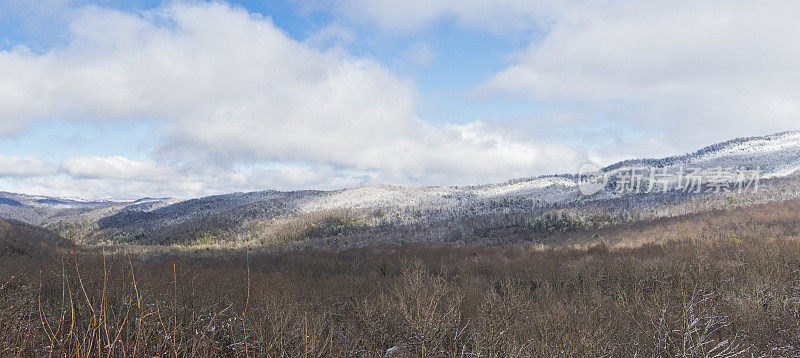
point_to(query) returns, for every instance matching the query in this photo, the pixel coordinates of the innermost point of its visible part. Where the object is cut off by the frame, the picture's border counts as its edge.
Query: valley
(530, 267)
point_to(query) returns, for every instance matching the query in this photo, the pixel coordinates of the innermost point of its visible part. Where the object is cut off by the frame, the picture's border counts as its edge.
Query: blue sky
(121, 99)
(462, 59)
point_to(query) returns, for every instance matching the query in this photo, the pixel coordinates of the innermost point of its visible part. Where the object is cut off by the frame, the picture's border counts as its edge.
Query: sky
(111, 99)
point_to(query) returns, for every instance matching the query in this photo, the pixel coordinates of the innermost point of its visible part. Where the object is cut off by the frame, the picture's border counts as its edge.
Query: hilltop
(391, 213)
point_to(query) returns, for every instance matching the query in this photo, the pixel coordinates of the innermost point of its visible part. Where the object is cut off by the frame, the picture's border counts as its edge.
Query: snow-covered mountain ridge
(776, 155)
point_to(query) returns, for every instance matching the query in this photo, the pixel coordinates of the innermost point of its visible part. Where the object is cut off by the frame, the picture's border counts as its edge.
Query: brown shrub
(693, 293)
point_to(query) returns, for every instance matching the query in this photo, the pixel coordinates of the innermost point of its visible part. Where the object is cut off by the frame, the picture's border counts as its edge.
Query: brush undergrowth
(697, 294)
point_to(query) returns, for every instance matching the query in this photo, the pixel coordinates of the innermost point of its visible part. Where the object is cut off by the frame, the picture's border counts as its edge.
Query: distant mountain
(390, 212)
(40, 210)
(775, 155)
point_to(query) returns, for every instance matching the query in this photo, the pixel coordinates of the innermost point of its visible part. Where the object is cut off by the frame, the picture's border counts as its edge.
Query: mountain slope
(775, 155)
(18, 238)
(272, 216)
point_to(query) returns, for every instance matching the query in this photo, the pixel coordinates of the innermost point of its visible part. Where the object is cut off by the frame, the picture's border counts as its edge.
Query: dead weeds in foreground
(690, 296)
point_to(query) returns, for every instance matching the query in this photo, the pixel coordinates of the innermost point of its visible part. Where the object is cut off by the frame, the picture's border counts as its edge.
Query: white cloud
(228, 88)
(122, 178)
(116, 167)
(683, 72)
(686, 72)
(13, 166)
(231, 87)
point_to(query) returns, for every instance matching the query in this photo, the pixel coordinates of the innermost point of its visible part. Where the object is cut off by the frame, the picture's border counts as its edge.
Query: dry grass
(677, 287)
(772, 220)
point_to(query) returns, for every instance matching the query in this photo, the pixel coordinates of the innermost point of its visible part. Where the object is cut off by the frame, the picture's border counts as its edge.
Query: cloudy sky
(126, 99)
